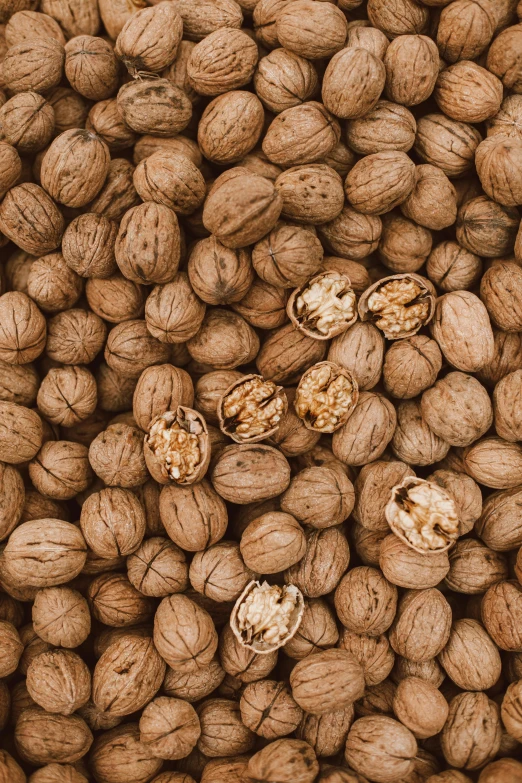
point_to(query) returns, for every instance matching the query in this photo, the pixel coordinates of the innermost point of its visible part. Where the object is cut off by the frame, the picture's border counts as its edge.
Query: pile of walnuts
(260, 391)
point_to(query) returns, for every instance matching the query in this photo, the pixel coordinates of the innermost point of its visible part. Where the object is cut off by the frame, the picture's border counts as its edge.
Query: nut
(380, 747)
(326, 396)
(266, 617)
(399, 305)
(251, 409)
(149, 40)
(324, 307)
(459, 319)
(379, 182)
(176, 447)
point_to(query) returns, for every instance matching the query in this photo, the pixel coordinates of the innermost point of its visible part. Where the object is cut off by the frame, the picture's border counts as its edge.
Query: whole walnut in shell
(91, 67)
(279, 260)
(310, 30)
(149, 40)
(184, 633)
(466, 29)
(82, 153)
(59, 681)
(43, 738)
(31, 219)
(284, 79)
(34, 65)
(301, 134)
(379, 182)
(412, 67)
(61, 616)
(221, 138)
(223, 61)
(387, 126)
(27, 122)
(88, 245)
(380, 747)
(155, 106)
(452, 267)
(457, 391)
(353, 82)
(501, 292)
(147, 248)
(327, 681)
(459, 318)
(447, 143)
(219, 275)
(471, 735)
(432, 202)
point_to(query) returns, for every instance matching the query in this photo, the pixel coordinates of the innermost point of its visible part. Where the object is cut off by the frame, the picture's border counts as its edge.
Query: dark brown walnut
(224, 341)
(466, 29)
(219, 275)
(250, 409)
(327, 681)
(61, 469)
(67, 395)
(507, 407)
(10, 167)
(283, 79)
(184, 634)
(105, 120)
(501, 611)
(405, 245)
(373, 487)
(420, 707)
(288, 256)
(219, 572)
(272, 542)
(116, 456)
(223, 61)
(91, 67)
(412, 66)
(82, 153)
(399, 305)
(470, 657)
(310, 575)
(59, 681)
(446, 143)
(405, 567)
(388, 126)
(380, 747)
(43, 738)
(372, 652)
(147, 248)
(458, 83)
(176, 447)
(240, 208)
(301, 134)
(474, 567)
(27, 122)
(284, 760)
(462, 393)
(118, 193)
(433, 202)
(487, 228)
(31, 219)
(380, 182)
(502, 58)
(52, 284)
(230, 127)
(170, 179)
(158, 568)
(311, 194)
(472, 733)
(268, 709)
(22, 329)
(501, 292)
(321, 496)
(173, 312)
(35, 65)
(353, 82)
(365, 601)
(113, 522)
(88, 246)
(195, 517)
(360, 350)
(248, 473)
(152, 105)
(161, 388)
(115, 602)
(452, 267)
(149, 39)
(463, 331)
(75, 336)
(61, 617)
(410, 366)
(401, 17)
(131, 348)
(22, 433)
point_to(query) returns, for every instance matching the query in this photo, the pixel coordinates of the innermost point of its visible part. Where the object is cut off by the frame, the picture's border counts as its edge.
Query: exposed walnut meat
(265, 616)
(326, 396)
(423, 515)
(177, 447)
(251, 409)
(398, 305)
(324, 307)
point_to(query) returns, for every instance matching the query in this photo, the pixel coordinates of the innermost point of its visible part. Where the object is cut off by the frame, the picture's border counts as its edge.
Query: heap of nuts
(260, 391)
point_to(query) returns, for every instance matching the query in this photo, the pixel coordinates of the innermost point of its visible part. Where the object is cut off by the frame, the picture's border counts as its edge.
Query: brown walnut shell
(306, 321)
(187, 422)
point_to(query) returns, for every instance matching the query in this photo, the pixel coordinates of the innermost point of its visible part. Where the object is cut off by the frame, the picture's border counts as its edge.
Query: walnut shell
(319, 497)
(309, 575)
(154, 106)
(247, 473)
(465, 30)
(360, 350)
(88, 245)
(85, 155)
(131, 348)
(327, 681)
(118, 755)
(27, 122)
(59, 681)
(43, 738)
(420, 707)
(172, 180)
(470, 657)
(184, 633)
(457, 83)
(501, 292)
(75, 336)
(353, 82)
(61, 616)
(288, 256)
(283, 79)
(487, 228)
(26, 24)
(113, 522)
(219, 275)
(380, 182)
(31, 219)
(61, 469)
(472, 733)
(224, 60)
(35, 65)
(118, 194)
(448, 144)
(230, 127)
(401, 17)
(412, 66)
(411, 366)
(67, 395)
(312, 194)
(301, 134)
(286, 353)
(91, 67)
(116, 456)
(404, 244)
(388, 126)
(494, 462)
(149, 39)
(187, 459)
(203, 521)
(291, 760)
(432, 203)
(105, 120)
(463, 392)
(147, 248)
(452, 267)
(405, 567)
(459, 318)
(365, 601)
(380, 747)
(311, 31)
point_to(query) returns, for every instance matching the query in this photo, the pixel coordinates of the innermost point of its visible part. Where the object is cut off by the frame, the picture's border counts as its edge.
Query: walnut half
(177, 447)
(265, 617)
(423, 515)
(251, 409)
(398, 305)
(326, 397)
(324, 307)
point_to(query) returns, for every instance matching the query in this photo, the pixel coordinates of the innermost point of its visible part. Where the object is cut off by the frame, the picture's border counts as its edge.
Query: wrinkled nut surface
(324, 307)
(251, 409)
(423, 515)
(398, 305)
(326, 396)
(266, 617)
(177, 448)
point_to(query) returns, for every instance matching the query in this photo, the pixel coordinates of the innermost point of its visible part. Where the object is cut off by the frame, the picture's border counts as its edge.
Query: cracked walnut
(326, 396)
(266, 616)
(324, 307)
(176, 448)
(399, 306)
(251, 409)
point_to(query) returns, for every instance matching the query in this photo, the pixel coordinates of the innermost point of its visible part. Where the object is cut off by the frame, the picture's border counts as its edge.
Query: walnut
(323, 307)
(412, 67)
(36, 506)
(353, 82)
(301, 134)
(75, 17)
(366, 434)
(34, 65)
(432, 203)
(115, 602)
(147, 248)
(27, 122)
(59, 681)
(250, 409)
(118, 193)
(172, 180)
(158, 568)
(506, 358)
(288, 256)
(91, 67)
(152, 105)
(404, 245)
(510, 710)
(242, 663)
(193, 686)
(326, 733)
(312, 193)
(10, 167)
(67, 395)
(11, 646)
(116, 456)
(283, 79)
(401, 17)
(452, 267)
(105, 120)
(222, 139)
(497, 769)
(284, 761)
(372, 492)
(114, 390)
(113, 522)
(380, 747)
(31, 219)
(268, 709)
(272, 542)
(203, 520)
(405, 567)
(365, 601)
(10, 769)
(380, 182)
(52, 284)
(74, 167)
(169, 728)
(470, 657)
(265, 618)
(43, 738)
(224, 60)
(61, 469)
(503, 60)
(362, 36)
(494, 462)
(118, 756)
(457, 390)
(222, 732)
(161, 388)
(471, 735)
(310, 575)
(506, 407)
(501, 292)
(12, 499)
(26, 24)
(487, 228)
(388, 126)
(219, 275)
(327, 681)
(149, 39)
(21, 433)
(319, 496)
(458, 83)
(400, 305)
(326, 397)
(420, 707)
(173, 313)
(501, 612)
(411, 366)
(311, 31)
(88, 246)
(447, 144)
(224, 210)
(202, 17)
(184, 634)
(61, 616)
(460, 317)
(70, 108)
(360, 350)
(176, 447)
(317, 631)
(131, 348)
(372, 652)
(75, 336)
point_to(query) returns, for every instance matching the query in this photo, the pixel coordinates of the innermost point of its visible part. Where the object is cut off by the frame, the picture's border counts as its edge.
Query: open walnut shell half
(324, 306)
(326, 397)
(265, 617)
(251, 409)
(399, 305)
(177, 447)
(423, 515)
